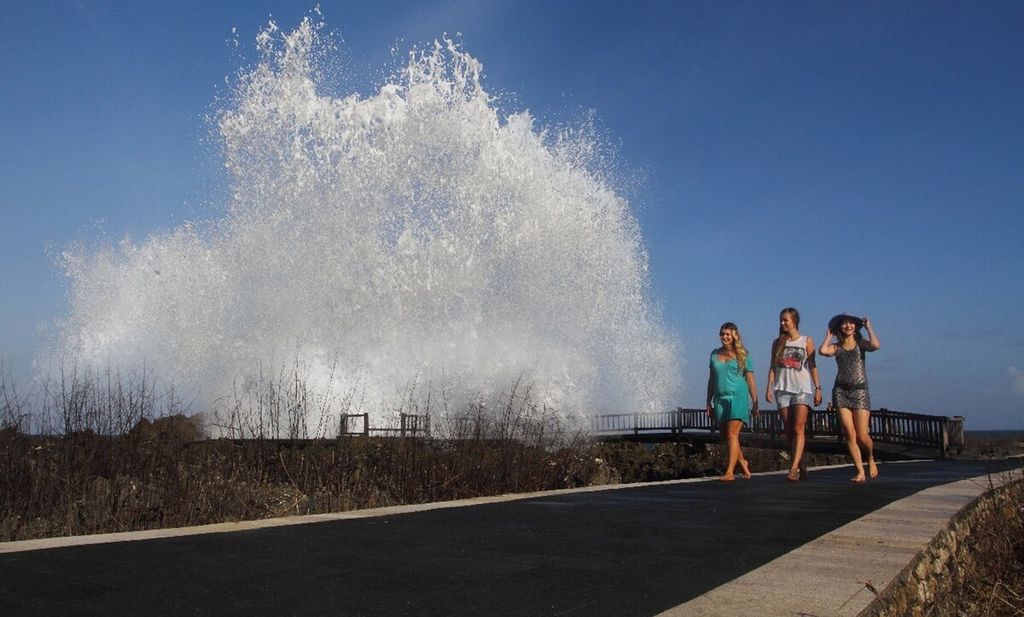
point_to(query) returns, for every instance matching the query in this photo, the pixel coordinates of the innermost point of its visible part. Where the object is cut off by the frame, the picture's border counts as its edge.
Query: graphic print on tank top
(793, 357)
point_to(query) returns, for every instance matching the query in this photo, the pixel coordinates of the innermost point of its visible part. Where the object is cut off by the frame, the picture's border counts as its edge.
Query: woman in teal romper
(732, 394)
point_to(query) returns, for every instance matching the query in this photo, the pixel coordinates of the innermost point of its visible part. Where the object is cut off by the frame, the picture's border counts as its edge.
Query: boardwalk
(631, 551)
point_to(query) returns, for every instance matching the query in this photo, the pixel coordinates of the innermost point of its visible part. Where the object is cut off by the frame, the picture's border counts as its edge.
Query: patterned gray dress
(851, 387)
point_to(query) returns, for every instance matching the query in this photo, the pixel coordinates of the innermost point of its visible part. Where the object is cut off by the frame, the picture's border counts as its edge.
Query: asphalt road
(636, 551)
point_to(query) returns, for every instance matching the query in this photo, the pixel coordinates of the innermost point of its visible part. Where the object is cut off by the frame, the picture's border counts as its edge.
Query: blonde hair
(737, 343)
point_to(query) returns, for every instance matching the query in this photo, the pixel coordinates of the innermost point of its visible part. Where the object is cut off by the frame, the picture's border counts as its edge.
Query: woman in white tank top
(793, 380)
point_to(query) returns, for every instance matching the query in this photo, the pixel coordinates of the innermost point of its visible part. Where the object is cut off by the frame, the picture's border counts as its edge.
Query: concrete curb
(841, 572)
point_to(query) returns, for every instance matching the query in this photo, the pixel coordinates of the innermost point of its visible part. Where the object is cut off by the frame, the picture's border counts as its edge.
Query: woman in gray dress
(850, 397)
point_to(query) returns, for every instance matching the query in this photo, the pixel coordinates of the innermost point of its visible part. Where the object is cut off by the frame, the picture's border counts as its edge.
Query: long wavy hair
(780, 343)
(737, 343)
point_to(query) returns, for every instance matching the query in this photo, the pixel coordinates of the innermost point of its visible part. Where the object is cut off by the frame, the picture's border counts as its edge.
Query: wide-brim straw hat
(835, 322)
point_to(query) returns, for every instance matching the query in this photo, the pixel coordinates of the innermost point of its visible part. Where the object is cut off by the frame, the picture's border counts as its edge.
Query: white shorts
(788, 399)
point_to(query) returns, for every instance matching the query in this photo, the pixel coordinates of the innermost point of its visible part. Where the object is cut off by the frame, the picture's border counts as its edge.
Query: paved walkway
(763, 546)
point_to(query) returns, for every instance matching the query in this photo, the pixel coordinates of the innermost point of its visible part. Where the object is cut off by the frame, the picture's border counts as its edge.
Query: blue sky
(862, 157)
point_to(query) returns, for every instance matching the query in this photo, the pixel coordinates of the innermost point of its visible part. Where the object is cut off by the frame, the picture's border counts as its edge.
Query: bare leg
(798, 419)
(744, 466)
(784, 413)
(861, 418)
(730, 462)
(731, 432)
(850, 432)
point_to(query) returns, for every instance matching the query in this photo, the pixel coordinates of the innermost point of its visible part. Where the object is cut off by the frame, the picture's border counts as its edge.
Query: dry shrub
(990, 581)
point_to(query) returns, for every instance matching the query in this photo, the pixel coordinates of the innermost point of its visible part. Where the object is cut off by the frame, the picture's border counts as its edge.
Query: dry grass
(990, 579)
(993, 584)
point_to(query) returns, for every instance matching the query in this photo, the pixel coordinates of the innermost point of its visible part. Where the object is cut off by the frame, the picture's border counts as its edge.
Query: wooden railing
(885, 426)
(409, 425)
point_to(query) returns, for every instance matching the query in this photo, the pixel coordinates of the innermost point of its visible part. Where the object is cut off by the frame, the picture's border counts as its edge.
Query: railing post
(636, 423)
(957, 433)
(944, 424)
(406, 424)
(345, 422)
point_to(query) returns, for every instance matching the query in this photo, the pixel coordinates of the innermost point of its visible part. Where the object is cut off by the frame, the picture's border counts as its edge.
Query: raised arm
(871, 343)
(828, 346)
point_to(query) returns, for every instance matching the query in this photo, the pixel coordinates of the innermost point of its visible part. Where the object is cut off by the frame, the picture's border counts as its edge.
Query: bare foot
(794, 475)
(873, 469)
(727, 478)
(746, 469)
(859, 479)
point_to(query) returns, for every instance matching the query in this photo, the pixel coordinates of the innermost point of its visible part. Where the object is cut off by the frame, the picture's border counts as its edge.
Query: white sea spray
(411, 244)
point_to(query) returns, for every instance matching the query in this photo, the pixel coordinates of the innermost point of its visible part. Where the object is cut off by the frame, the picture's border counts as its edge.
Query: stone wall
(950, 559)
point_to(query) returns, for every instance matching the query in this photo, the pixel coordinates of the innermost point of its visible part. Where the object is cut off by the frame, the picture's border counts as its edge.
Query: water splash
(414, 236)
